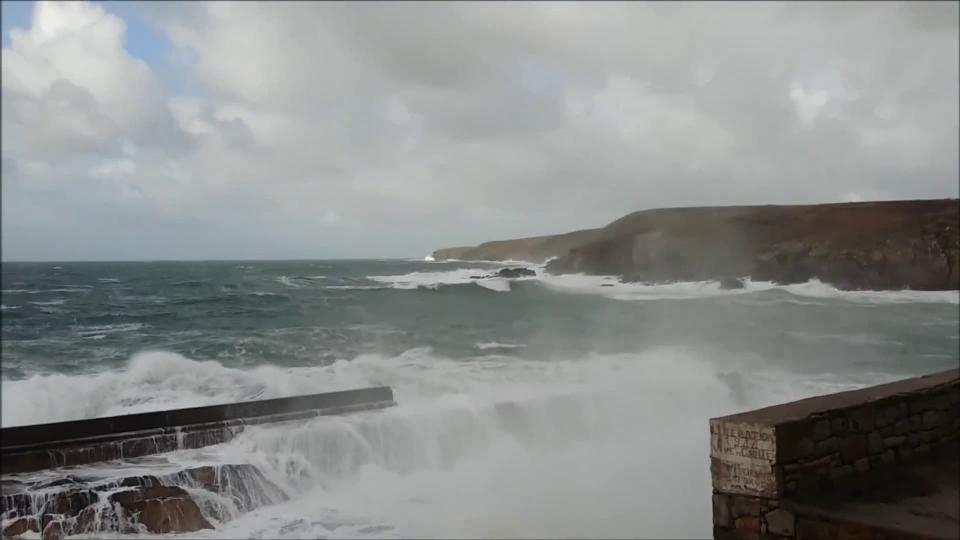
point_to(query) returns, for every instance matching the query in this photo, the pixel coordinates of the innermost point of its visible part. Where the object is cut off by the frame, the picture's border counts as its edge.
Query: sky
(160, 130)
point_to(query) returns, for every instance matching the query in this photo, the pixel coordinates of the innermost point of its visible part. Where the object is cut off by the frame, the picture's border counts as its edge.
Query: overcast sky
(322, 130)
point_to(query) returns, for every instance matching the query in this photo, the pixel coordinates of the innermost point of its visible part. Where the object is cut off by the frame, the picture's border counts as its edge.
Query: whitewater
(548, 406)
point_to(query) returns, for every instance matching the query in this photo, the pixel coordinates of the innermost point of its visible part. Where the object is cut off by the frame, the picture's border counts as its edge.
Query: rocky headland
(880, 245)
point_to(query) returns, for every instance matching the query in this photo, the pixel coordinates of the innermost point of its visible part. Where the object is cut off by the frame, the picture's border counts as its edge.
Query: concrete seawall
(44, 446)
(878, 462)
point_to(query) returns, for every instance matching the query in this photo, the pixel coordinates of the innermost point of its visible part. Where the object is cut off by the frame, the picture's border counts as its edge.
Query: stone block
(862, 465)
(888, 457)
(821, 430)
(902, 427)
(721, 511)
(827, 447)
(854, 447)
(745, 506)
(781, 522)
(916, 422)
(861, 420)
(805, 447)
(892, 442)
(931, 419)
(875, 442)
(840, 472)
(747, 523)
(905, 453)
(838, 426)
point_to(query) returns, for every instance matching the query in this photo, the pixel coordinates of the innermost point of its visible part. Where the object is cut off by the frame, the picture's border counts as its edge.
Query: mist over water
(542, 407)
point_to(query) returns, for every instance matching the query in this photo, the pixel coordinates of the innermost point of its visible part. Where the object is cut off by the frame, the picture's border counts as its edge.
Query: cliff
(534, 249)
(871, 245)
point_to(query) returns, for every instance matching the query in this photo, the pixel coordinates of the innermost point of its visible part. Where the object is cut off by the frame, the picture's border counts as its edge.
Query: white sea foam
(497, 345)
(91, 332)
(5, 307)
(285, 280)
(460, 276)
(108, 280)
(610, 286)
(491, 447)
(57, 302)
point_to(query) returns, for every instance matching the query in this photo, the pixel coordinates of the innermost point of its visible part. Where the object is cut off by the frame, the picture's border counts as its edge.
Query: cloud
(355, 129)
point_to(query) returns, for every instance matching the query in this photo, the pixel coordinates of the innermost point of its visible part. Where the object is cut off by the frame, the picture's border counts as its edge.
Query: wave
(69, 290)
(4, 307)
(497, 345)
(108, 280)
(287, 281)
(611, 287)
(490, 447)
(57, 302)
(433, 280)
(102, 331)
(355, 287)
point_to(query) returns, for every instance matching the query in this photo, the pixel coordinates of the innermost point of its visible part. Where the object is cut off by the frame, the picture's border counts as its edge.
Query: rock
(515, 272)
(780, 522)
(731, 283)
(606, 284)
(21, 525)
(53, 531)
(162, 509)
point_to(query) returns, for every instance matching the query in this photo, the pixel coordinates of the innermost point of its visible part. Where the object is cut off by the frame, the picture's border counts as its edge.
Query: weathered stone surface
(875, 442)
(780, 522)
(53, 531)
(838, 426)
(721, 510)
(862, 465)
(888, 457)
(892, 442)
(745, 506)
(931, 419)
(827, 447)
(854, 447)
(902, 427)
(905, 454)
(821, 430)
(747, 523)
(861, 419)
(20, 526)
(162, 509)
(839, 472)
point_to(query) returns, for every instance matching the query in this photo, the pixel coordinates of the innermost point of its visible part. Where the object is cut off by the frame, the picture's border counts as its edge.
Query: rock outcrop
(158, 504)
(869, 246)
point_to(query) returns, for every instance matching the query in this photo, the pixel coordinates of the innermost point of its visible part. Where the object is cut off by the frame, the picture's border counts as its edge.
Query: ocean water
(551, 406)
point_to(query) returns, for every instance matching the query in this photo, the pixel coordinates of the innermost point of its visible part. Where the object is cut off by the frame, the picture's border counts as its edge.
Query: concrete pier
(878, 462)
(44, 446)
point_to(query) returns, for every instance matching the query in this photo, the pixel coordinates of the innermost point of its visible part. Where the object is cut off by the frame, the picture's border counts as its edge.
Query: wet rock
(21, 525)
(53, 531)
(515, 272)
(730, 283)
(162, 509)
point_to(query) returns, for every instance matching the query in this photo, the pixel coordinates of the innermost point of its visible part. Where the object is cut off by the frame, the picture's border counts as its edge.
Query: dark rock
(20, 526)
(780, 522)
(731, 283)
(53, 531)
(515, 272)
(606, 284)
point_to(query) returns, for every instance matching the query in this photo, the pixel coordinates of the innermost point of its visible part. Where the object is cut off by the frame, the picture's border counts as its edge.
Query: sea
(543, 406)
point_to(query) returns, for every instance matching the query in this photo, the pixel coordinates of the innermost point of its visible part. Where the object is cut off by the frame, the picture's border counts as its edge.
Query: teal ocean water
(542, 406)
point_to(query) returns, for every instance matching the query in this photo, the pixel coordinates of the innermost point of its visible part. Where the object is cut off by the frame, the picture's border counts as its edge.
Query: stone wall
(766, 464)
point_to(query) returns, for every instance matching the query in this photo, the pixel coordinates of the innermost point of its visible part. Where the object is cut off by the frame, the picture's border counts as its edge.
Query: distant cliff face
(877, 245)
(874, 245)
(536, 249)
